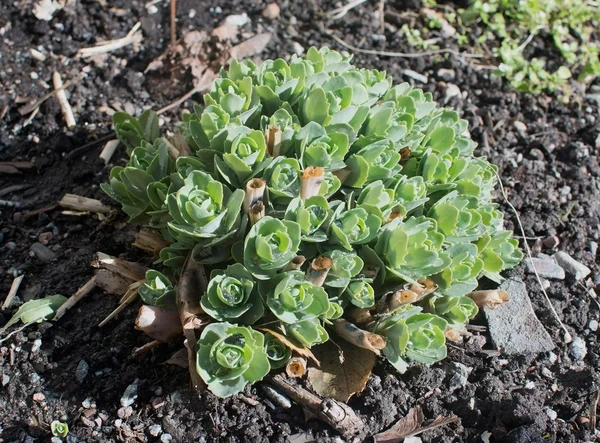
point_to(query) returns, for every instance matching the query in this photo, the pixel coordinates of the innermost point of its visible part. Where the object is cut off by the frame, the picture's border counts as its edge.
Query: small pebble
(552, 357)
(39, 397)
(125, 412)
(155, 430)
(547, 373)
(87, 422)
(551, 414)
(572, 266)
(82, 371)
(42, 253)
(578, 348)
(56, 440)
(130, 394)
(165, 438)
(11, 245)
(271, 11)
(530, 385)
(446, 74)
(238, 19)
(87, 403)
(593, 325)
(520, 126)
(551, 242)
(5, 379)
(37, 344)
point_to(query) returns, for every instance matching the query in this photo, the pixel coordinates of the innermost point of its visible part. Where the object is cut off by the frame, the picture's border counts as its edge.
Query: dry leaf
(180, 358)
(403, 427)
(341, 381)
(252, 46)
(297, 349)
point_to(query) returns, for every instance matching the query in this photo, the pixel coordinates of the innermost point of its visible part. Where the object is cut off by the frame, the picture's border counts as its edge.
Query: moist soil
(548, 158)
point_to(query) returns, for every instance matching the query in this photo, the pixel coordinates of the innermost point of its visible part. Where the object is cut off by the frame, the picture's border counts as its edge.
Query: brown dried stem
(296, 263)
(157, 323)
(296, 367)
(363, 339)
(273, 138)
(312, 178)
(74, 299)
(318, 270)
(255, 191)
(257, 211)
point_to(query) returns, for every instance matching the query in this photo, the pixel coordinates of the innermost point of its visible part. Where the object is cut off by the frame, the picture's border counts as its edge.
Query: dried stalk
(273, 138)
(75, 298)
(296, 367)
(157, 323)
(336, 414)
(363, 339)
(109, 149)
(129, 297)
(360, 316)
(130, 270)
(257, 211)
(61, 95)
(111, 282)
(404, 295)
(255, 191)
(489, 298)
(147, 347)
(79, 203)
(150, 242)
(134, 36)
(191, 284)
(295, 264)
(173, 20)
(318, 270)
(312, 178)
(14, 288)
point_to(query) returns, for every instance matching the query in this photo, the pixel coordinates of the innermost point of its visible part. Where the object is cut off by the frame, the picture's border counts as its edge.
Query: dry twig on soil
(61, 95)
(134, 36)
(14, 288)
(80, 203)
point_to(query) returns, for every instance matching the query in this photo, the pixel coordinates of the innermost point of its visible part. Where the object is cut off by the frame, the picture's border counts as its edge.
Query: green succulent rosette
(231, 296)
(278, 353)
(283, 180)
(270, 245)
(158, 290)
(312, 215)
(230, 356)
(456, 310)
(353, 227)
(346, 265)
(460, 277)
(307, 332)
(360, 293)
(412, 336)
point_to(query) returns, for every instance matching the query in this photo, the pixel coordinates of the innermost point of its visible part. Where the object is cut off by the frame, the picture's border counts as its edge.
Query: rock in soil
(546, 267)
(43, 253)
(130, 394)
(572, 266)
(513, 326)
(578, 348)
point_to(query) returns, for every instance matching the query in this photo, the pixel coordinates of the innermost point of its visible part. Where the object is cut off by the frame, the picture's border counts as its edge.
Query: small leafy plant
(315, 191)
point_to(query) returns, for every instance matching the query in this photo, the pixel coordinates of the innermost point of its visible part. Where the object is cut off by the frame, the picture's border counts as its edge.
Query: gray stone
(446, 74)
(82, 371)
(593, 325)
(11, 245)
(513, 326)
(166, 438)
(546, 267)
(43, 253)
(415, 75)
(155, 430)
(572, 266)
(578, 348)
(552, 415)
(130, 394)
(458, 376)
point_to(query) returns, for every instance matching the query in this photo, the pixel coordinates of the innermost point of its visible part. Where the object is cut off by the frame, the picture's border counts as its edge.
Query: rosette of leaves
(412, 336)
(353, 227)
(321, 149)
(456, 310)
(204, 210)
(149, 163)
(133, 131)
(158, 290)
(460, 277)
(478, 179)
(400, 196)
(230, 356)
(458, 217)
(279, 82)
(238, 98)
(299, 305)
(270, 245)
(373, 158)
(412, 249)
(283, 180)
(346, 265)
(278, 353)
(231, 296)
(285, 125)
(360, 293)
(499, 252)
(312, 215)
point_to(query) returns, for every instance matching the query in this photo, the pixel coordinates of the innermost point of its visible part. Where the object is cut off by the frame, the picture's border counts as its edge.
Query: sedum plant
(311, 189)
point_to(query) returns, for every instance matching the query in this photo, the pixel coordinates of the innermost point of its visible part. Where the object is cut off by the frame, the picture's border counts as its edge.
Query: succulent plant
(312, 160)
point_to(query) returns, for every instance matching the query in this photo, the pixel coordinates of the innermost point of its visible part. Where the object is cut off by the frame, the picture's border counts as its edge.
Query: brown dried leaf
(300, 350)
(341, 381)
(403, 427)
(252, 46)
(180, 358)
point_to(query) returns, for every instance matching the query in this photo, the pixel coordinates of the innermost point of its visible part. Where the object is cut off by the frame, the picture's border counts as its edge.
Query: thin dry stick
(33, 106)
(179, 101)
(12, 292)
(132, 37)
(338, 13)
(173, 18)
(108, 150)
(568, 337)
(147, 347)
(401, 54)
(80, 203)
(75, 298)
(131, 296)
(61, 95)
(16, 331)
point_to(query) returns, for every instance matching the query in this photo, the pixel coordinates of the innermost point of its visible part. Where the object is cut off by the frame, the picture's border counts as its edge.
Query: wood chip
(83, 204)
(108, 150)
(12, 292)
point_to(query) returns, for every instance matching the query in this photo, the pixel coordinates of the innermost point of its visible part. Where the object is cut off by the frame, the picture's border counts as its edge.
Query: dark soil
(549, 163)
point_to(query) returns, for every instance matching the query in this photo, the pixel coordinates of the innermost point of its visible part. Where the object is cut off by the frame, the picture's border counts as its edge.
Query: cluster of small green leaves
(570, 25)
(370, 177)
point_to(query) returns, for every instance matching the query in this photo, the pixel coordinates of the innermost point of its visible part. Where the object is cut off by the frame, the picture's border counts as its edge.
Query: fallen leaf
(403, 427)
(180, 358)
(300, 350)
(252, 46)
(226, 32)
(36, 310)
(341, 381)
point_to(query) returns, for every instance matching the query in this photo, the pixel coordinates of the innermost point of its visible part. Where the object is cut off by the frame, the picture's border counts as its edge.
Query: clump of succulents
(310, 189)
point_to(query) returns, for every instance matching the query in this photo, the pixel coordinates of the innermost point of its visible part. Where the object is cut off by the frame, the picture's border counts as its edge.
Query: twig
(134, 36)
(108, 150)
(75, 298)
(129, 297)
(179, 101)
(147, 347)
(338, 13)
(89, 145)
(336, 414)
(12, 292)
(568, 337)
(529, 38)
(401, 54)
(26, 109)
(79, 203)
(16, 331)
(61, 95)
(363, 339)
(381, 16)
(318, 270)
(173, 18)
(13, 188)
